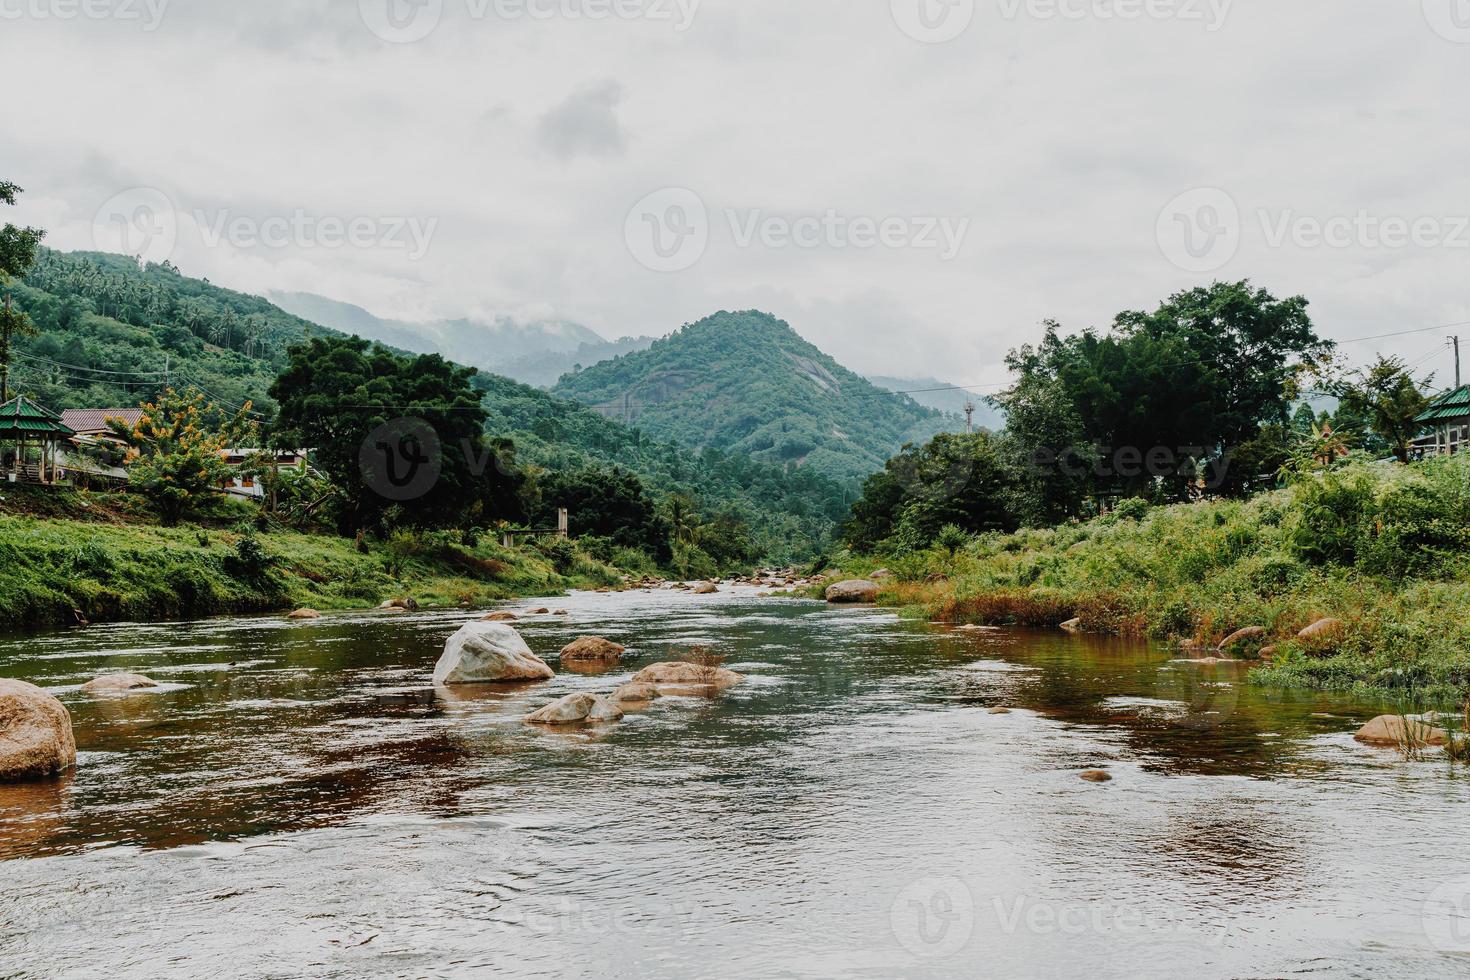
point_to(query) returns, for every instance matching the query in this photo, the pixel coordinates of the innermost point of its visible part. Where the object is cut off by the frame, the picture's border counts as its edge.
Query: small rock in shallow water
(118, 684)
(1000, 711)
(574, 709)
(1095, 776)
(592, 648)
(499, 617)
(1391, 730)
(305, 614)
(634, 691)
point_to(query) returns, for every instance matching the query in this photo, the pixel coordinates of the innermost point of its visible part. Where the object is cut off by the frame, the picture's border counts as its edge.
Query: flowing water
(297, 800)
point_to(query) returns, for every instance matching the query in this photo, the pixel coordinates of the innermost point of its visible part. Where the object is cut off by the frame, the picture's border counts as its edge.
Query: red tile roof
(95, 419)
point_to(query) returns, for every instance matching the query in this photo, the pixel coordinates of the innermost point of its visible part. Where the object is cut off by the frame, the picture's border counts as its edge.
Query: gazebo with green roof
(25, 423)
(1447, 424)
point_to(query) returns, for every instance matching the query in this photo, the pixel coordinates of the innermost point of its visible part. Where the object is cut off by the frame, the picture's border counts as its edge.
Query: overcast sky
(914, 185)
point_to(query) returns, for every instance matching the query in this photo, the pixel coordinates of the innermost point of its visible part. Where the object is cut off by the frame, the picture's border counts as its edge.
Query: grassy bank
(1384, 548)
(67, 553)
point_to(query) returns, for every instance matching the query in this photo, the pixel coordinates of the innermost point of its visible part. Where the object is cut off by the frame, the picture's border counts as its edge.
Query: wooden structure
(23, 424)
(1446, 424)
(508, 538)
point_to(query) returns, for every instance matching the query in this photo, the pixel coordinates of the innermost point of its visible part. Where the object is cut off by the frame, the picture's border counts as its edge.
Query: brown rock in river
(1391, 730)
(305, 614)
(592, 648)
(118, 684)
(853, 590)
(706, 588)
(1072, 625)
(1000, 711)
(634, 692)
(676, 673)
(35, 733)
(1095, 776)
(500, 617)
(576, 709)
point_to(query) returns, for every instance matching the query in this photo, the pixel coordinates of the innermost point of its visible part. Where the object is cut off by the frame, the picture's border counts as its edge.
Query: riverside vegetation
(1382, 547)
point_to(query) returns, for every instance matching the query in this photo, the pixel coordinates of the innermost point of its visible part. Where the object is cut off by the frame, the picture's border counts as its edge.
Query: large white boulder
(35, 733)
(488, 653)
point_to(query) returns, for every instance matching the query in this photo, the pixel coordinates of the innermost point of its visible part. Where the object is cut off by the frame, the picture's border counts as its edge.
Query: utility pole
(969, 417)
(1456, 341)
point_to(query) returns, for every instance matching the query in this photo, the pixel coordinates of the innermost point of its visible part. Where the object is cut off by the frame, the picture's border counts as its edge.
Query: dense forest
(110, 333)
(747, 383)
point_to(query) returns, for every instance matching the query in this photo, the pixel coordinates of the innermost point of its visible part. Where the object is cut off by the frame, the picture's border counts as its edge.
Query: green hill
(747, 383)
(112, 334)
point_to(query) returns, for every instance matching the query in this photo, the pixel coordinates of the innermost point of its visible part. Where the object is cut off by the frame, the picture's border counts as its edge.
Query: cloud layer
(519, 135)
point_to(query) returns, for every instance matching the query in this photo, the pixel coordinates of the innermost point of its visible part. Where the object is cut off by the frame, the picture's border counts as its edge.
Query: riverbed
(297, 800)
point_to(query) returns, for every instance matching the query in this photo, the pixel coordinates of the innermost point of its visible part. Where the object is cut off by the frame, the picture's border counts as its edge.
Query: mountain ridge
(747, 382)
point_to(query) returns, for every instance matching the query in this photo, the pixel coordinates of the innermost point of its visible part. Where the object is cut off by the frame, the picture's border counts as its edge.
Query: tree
(1197, 377)
(1045, 444)
(175, 458)
(607, 502)
(955, 478)
(395, 431)
(1390, 399)
(17, 254)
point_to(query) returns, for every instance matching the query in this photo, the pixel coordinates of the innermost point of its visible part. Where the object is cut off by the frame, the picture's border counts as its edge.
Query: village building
(30, 436)
(1446, 425)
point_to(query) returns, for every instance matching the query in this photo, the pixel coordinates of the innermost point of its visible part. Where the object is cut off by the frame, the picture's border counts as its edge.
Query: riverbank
(111, 566)
(1385, 549)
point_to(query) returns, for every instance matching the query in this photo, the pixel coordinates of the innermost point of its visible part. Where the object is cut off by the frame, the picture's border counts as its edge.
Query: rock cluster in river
(577, 709)
(35, 733)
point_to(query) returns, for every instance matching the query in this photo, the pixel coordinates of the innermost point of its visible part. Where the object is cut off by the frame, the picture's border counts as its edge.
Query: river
(297, 800)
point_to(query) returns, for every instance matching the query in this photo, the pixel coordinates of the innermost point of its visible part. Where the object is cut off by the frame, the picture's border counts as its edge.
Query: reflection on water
(299, 800)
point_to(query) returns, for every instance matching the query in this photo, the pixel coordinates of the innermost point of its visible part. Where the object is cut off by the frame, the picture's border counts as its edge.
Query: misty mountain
(746, 382)
(942, 396)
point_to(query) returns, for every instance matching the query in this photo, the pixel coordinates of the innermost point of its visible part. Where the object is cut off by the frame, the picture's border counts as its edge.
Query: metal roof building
(25, 423)
(1447, 424)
